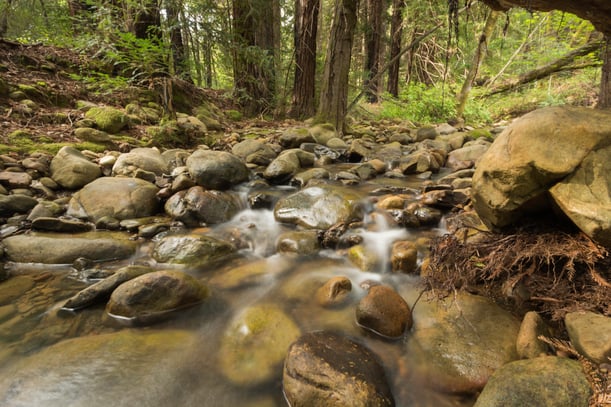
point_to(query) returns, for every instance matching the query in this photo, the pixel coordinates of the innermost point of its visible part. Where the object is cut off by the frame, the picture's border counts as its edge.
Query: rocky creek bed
(296, 268)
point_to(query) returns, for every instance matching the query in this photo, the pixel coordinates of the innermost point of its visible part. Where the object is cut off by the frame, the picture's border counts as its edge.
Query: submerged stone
(255, 344)
(328, 369)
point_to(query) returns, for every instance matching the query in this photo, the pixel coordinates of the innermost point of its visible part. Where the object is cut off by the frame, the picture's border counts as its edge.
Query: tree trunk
(305, 35)
(373, 43)
(478, 59)
(334, 90)
(396, 32)
(254, 42)
(546, 70)
(179, 53)
(604, 99)
(4, 18)
(147, 20)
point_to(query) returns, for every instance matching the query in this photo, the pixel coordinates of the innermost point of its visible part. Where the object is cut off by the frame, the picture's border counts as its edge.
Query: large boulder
(192, 249)
(328, 369)
(72, 170)
(141, 163)
(197, 205)
(216, 169)
(119, 198)
(513, 177)
(61, 249)
(319, 207)
(543, 381)
(151, 296)
(459, 342)
(585, 195)
(109, 369)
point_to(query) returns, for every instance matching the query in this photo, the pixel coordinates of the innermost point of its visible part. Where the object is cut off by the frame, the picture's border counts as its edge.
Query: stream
(176, 361)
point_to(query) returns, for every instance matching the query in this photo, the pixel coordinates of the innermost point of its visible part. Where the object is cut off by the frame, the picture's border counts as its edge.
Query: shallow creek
(187, 374)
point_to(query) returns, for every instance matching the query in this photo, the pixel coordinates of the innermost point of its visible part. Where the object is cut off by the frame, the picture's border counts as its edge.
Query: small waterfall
(258, 229)
(379, 236)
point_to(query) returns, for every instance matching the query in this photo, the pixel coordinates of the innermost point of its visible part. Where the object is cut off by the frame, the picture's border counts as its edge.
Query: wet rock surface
(151, 296)
(544, 381)
(325, 368)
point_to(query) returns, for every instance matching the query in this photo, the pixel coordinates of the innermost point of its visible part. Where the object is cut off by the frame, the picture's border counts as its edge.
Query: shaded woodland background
(425, 61)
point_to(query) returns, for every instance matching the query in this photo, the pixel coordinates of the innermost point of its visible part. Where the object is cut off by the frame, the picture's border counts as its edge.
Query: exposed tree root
(544, 269)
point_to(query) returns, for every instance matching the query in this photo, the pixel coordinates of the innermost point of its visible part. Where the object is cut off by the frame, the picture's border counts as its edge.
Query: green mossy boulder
(108, 118)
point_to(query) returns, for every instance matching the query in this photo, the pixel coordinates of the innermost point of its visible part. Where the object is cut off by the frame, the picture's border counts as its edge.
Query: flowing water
(31, 320)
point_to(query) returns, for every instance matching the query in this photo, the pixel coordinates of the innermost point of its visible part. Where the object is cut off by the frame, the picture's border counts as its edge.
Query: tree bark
(254, 42)
(546, 70)
(177, 45)
(604, 99)
(305, 35)
(478, 59)
(373, 43)
(334, 90)
(147, 20)
(396, 34)
(4, 18)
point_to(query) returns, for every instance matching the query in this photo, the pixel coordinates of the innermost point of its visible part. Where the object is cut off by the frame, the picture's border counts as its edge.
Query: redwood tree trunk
(604, 99)
(373, 48)
(334, 90)
(254, 80)
(304, 85)
(396, 32)
(179, 52)
(147, 21)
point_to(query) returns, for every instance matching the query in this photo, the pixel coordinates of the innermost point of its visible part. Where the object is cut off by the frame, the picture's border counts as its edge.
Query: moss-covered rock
(233, 115)
(108, 118)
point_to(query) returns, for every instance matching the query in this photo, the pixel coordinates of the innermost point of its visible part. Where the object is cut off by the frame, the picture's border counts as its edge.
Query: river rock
(116, 197)
(465, 157)
(543, 381)
(101, 290)
(293, 138)
(192, 249)
(254, 152)
(255, 343)
(384, 312)
(460, 341)
(590, 334)
(16, 203)
(151, 296)
(514, 175)
(319, 207)
(528, 344)
(216, 169)
(61, 249)
(404, 257)
(287, 164)
(110, 369)
(585, 195)
(328, 369)
(323, 133)
(197, 205)
(58, 225)
(145, 163)
(15, 179)
(302, 242)
(334, 292)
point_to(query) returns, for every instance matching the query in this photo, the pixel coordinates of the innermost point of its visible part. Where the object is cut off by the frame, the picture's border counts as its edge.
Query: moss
(107, 118)
(31, 92)
(233, 115)
(477, 133)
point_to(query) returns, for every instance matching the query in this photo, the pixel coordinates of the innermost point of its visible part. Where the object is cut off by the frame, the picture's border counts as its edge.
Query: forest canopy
(425, 61)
